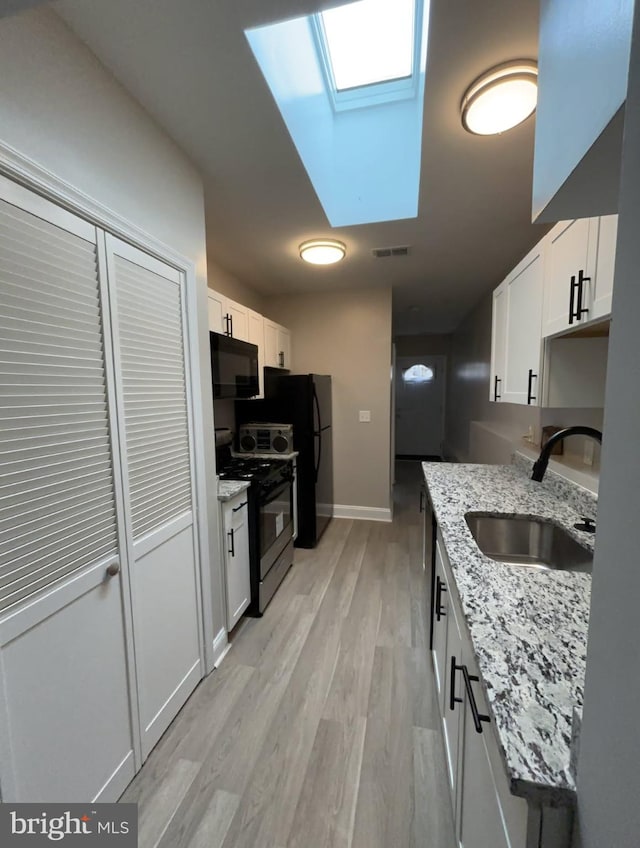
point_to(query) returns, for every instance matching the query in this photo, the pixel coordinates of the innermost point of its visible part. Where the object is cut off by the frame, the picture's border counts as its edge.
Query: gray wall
(348, 334)
(63, 110)
(608, 768)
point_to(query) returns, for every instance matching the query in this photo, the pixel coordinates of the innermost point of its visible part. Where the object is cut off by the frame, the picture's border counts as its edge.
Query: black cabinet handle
(580, 311)
(239, 507)
(576, 309)
(453, 699)
(440, 588)
(281, 358)
(228, 320)
(421, 500)
(231, 325)
(531, 397)
(478, 717)
(496, 380)
(232, 549)
(572, 299)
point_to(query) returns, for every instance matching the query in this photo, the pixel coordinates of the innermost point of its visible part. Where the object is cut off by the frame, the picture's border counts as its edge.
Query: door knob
(113, 569)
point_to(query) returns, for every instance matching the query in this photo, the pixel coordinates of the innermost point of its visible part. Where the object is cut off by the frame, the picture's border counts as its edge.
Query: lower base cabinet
(235, 520)
(486, 814)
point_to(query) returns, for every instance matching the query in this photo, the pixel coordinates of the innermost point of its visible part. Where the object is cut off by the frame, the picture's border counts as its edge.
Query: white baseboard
(362, 513)
(220, 647)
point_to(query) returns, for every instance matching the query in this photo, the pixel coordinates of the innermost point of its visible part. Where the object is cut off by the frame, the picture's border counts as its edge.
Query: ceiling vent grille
(385, 252)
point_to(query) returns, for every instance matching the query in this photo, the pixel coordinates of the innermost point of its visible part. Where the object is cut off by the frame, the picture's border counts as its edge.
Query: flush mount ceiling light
(322, 251)
(501, 98)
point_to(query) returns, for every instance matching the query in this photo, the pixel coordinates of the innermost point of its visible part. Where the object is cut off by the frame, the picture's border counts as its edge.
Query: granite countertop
(528, 628)
(228, 489)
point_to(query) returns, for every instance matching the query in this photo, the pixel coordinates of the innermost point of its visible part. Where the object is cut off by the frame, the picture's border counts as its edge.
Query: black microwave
(234, 367)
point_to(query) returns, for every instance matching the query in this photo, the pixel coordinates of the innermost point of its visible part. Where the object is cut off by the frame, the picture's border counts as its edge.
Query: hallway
(320, 728)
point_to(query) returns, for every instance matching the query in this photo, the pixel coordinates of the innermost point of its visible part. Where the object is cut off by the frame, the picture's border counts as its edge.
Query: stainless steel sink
(529, 542)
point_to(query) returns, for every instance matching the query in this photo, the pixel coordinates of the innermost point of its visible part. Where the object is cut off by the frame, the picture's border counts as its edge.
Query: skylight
(369, 42)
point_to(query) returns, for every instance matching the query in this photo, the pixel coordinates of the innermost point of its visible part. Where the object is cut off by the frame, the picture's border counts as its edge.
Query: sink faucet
(540, 466)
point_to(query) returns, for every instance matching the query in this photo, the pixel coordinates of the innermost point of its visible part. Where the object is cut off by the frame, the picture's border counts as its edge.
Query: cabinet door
(215, 305)
(521, 383)
(490, 816)
(453, 716)
(498, 342)
(238, 320)
(441, 610)
(148, 307)
(256, 337)
(602, 286)
(66, 731)
(271, 344)
(236, 542)
(284, 347)
(569, 248)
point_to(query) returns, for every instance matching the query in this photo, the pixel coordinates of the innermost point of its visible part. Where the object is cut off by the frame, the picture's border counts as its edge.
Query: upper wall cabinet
(277, 345)
(583, 60)
(228, 317)
(579, 265)
(256, 337)
(522, 360)
(564, 283)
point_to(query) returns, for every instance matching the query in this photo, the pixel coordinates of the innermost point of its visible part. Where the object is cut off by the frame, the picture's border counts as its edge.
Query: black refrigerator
(303, 400)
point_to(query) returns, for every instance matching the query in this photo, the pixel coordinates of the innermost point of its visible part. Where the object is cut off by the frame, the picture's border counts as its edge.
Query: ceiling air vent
(384, 252)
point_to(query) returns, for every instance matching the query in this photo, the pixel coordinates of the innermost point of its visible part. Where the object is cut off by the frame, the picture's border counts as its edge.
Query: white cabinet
(440, 607)
(227, 317)
(498, 341)
(602, 286)
(486, 814)
(217, 310)
(570, 259)
(235, 520)
(579, 265)
(256, 337)
(277, 344)
(522, 358)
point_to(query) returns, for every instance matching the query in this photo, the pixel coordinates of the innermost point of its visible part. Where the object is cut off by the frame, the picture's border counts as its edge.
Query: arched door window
(418, 374)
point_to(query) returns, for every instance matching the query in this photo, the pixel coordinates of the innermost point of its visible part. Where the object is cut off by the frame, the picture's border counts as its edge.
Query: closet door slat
(57, 505)
(151, 346)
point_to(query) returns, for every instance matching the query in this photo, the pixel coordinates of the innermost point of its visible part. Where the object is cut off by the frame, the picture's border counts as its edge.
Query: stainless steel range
(270, 502)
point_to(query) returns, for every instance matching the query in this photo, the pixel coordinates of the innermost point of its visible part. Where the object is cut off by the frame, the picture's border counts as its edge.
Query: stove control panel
(265, 438)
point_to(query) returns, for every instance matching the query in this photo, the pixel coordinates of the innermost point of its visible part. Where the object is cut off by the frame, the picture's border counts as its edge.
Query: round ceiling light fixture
(501, 98)
(322, 251)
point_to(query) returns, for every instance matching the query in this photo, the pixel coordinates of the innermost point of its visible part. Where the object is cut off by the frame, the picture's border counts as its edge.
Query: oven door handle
(274, 494)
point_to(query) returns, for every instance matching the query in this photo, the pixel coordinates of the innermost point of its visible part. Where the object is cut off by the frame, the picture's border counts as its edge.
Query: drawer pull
(239, 507)
(232, 549)
(478, 717)
(440, 588)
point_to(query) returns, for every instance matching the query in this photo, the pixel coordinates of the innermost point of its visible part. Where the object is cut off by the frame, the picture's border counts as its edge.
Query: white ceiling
(190, 66)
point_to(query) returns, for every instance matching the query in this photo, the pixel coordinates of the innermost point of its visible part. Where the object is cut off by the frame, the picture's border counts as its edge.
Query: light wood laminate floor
(320, 728)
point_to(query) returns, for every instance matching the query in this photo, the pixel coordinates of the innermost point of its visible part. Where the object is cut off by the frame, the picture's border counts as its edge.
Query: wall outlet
(364, 416)
(587, 455)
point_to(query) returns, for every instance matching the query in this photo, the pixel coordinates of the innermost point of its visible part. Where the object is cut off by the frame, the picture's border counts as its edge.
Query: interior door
(66, 669)
(154, 411)
(420, 388)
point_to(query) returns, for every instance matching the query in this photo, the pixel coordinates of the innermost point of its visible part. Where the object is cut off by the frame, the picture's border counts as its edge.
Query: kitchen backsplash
(582, 500)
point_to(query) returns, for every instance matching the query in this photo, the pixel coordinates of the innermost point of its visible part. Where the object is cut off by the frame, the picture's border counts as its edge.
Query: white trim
(159, 723)
(119, 780)
(362, 513)
(33, 176)
(221, 645)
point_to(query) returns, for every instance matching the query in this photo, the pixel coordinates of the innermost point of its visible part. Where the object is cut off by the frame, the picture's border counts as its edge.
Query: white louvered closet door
(65, 723)
(148, 310)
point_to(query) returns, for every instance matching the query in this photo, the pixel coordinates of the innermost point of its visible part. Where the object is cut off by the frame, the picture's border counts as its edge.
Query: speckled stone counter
(228, 489)
(528, 627)
(287, 456)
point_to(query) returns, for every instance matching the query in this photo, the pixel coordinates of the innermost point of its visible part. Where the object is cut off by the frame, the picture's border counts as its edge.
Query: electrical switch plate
(365, 416)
